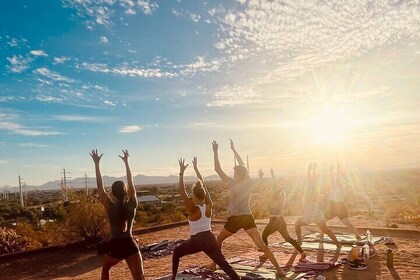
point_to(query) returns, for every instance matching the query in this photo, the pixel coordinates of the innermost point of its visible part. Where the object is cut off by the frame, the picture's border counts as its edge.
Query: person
(336, 205)
(121, 209)
(239, 212)
(311, 212)
(199, 208)
(275, 209)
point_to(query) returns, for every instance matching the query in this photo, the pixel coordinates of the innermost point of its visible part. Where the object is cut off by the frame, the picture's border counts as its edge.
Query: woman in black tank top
(121, 211)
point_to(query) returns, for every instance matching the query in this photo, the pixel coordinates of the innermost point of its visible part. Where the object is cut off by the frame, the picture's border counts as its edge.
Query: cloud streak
(130, 129)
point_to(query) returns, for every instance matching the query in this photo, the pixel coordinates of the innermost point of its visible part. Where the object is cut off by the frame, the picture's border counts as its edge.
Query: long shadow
(66, 262)
(394, 273)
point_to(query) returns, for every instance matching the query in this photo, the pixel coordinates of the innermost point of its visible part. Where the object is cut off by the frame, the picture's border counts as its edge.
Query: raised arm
(131, 189)
(217, 166)
(207, 199)
(332, 175)
(272, 174)
(103, 197)
(261, 174)
(189, 204)
(237, 156)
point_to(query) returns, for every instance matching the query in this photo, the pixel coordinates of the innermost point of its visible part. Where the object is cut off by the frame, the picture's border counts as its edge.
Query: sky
(289, 81)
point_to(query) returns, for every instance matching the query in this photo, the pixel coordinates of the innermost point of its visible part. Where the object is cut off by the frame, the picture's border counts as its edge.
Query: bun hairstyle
(198, 190)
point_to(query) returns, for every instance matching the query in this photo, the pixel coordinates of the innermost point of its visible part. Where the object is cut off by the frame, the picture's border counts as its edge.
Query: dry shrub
(86, 220)
(11, 242)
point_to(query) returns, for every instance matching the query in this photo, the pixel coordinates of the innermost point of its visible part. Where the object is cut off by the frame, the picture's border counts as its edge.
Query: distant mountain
(91, 182)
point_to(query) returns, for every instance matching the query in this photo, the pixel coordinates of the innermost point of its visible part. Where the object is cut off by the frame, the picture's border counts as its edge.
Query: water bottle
(389, 258)
(365, 251)
(369, 236)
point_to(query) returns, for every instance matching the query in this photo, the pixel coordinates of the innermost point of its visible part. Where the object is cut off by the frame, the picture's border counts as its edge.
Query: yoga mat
(344, 238)
(312, 246)
(242, 270)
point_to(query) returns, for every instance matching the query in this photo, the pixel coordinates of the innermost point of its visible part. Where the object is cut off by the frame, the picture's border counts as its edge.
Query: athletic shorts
(235, 223)
(336, 209)
(312, 214)
(121, 248)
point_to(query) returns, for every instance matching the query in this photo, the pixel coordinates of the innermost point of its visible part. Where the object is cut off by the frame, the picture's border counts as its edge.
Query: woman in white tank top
(199, 207)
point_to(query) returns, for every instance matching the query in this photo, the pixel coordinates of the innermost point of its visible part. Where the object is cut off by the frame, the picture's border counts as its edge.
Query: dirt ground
(83, 263)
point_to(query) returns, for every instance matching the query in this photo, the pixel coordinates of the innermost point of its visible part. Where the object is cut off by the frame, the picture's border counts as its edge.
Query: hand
(182, 166)
(96, 158)
(215, 146)
(232, 146)
(261, 173)
(194, 161)
(331, 168)
(310, 167)
(125, 156)
(314, 166)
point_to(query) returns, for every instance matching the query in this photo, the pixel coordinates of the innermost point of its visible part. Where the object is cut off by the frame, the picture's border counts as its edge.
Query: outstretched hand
(232, 146)
(215, 146)
(194, 161)
(310, 166)
(261, 173)
(272, 173)
(94, 154)
(125, 156)
(182, 166)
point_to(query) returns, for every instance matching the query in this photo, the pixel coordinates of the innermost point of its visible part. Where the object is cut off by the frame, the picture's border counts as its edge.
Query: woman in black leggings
(199, 218)
(277, 222)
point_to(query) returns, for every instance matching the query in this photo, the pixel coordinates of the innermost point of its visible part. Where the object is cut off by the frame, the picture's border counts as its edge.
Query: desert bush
(86, 220)
(11, 242)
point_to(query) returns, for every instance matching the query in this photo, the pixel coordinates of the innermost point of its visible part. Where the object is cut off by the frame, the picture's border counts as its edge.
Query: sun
(330, 125)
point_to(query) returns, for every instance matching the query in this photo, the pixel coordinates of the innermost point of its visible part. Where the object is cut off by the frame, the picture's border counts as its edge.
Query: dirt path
(82, 263)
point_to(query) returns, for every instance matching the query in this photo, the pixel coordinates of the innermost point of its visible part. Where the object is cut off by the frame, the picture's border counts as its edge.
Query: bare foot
(302, 256)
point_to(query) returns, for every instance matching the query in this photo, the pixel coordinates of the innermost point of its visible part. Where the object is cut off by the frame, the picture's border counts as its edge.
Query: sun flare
(330, 125)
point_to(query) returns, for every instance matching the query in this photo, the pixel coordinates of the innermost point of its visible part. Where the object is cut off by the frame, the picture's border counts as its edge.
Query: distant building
(148, 198)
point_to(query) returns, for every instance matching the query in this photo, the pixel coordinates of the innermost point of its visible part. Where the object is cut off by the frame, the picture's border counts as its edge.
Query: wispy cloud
(34, 145)
(60, 59)
(187, 15)
(54, 76)
(2, 161)
(38, 53)
(103, 40)
(18, 63)
(130, 129)
(103, 12)
(16, 128)
(78, 118)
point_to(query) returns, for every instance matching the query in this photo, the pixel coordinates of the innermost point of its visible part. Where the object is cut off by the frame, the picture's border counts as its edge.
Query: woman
(121, 209)
(199, 208)
(277, 222)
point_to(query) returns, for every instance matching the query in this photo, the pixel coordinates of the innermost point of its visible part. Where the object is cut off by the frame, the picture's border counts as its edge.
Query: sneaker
(357, 265)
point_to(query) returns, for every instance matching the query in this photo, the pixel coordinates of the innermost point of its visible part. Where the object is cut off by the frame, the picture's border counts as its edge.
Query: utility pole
(65, 184)
(87, 191)
(247, 163)
(21, 193)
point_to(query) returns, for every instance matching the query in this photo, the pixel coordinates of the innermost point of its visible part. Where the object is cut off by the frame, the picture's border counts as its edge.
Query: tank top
(117, 230)
(337, 193)
(278, 201)
(202, 224)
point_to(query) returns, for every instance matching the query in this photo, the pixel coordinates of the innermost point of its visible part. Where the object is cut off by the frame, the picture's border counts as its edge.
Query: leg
(107, 263)
(213, 251)
(186, 248)
(268, 230)
(223, 234)
(299, 223)
(135, 263)
(256, 238)
(324, 228)
(282, 228)
(351, 227)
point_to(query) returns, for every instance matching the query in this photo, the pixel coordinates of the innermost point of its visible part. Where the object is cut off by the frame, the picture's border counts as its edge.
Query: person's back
(121, 217)
(239, 195)
(202, 224)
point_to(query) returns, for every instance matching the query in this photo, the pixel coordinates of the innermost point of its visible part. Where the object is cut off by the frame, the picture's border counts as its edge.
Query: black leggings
(279, 224)
(203, 242)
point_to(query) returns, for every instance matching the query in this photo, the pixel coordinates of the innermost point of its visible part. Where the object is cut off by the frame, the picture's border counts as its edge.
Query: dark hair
(119, 190)
(241, 170)
(198, 190)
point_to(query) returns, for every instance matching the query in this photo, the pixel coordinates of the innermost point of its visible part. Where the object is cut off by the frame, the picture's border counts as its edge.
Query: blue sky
(290, 82)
